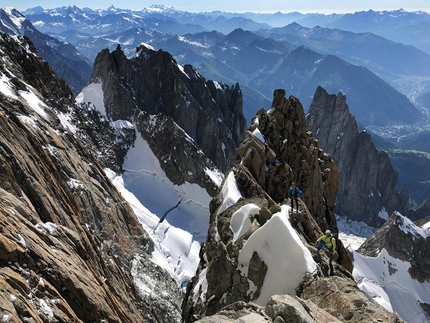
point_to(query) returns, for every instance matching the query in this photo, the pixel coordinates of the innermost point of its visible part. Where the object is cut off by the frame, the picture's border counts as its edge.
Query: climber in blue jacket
(294, 193)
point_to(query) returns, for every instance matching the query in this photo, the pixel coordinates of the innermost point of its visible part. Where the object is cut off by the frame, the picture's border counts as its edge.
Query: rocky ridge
(277, 149)
(69, 256)
(294, 156)
(368, 183)
(68, 239)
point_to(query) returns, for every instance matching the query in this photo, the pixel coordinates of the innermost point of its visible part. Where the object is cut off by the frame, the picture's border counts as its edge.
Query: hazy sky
(304, 6)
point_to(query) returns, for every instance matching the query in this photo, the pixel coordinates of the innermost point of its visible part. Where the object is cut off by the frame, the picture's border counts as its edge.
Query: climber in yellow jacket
(327, 241)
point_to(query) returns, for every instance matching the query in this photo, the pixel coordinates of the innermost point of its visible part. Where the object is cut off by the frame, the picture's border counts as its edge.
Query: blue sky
(326, 6)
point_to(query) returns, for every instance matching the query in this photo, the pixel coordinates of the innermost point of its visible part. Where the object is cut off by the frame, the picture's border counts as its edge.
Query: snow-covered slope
(175, 216)
(393, 269)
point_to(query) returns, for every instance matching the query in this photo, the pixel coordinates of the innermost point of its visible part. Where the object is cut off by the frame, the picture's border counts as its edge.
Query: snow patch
(35, 103)
(408, 227)
(387, 280)
(277, 244)
(6, 87)
(21, 241)
(30, 120)
(383, 214)
(66, 121)
(181, 68)
(230, 193)
(201, 287)
(46, 227)
(240, 221)
(259, 135)
(215, 175)
(46, 309)
(75, 184)
(93, 93)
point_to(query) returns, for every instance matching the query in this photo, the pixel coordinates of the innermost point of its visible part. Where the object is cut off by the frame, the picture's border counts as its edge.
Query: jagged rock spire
(291, 153)
(368, 187)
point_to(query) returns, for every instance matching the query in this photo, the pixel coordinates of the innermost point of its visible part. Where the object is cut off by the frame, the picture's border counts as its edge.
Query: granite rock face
(368, 182)
(421, 213)
(181, 159)
(68, 239)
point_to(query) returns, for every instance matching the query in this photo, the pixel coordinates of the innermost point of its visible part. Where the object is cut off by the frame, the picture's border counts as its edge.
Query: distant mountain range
(246, 48)
(409, 28)
(67, 62)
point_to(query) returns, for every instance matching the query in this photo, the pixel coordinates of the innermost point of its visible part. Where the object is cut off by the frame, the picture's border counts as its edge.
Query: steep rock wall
(68, 239)
(368, 186)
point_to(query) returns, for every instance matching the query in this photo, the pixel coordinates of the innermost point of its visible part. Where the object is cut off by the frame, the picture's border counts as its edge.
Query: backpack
(293, 192)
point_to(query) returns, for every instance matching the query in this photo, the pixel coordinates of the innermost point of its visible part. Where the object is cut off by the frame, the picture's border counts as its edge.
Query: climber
(329, 242)
(294, 193)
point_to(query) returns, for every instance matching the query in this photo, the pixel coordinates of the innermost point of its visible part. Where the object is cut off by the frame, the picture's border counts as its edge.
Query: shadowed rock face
(209, 112)
(221, 291)
(67, 237)
(421, 213)
(368, 183)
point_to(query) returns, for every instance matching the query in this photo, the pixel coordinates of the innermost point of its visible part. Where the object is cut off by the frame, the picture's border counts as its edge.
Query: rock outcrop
(277, 149)
(208, 111)
(368, 185)
(182, 160)
(68, 239)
